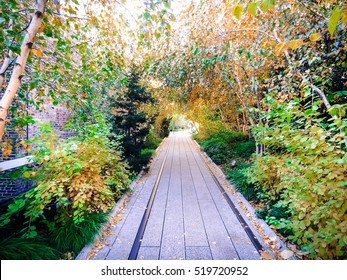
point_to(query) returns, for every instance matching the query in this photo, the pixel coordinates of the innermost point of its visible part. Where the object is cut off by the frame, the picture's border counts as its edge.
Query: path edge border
(280, 245)
(83, 254)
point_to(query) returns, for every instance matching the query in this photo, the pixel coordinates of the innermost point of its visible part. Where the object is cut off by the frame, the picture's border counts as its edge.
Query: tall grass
(16, 247)
(70, 237)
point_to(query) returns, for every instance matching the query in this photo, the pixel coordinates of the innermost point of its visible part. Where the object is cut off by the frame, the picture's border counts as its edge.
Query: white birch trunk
(4, 67)
(20, 63)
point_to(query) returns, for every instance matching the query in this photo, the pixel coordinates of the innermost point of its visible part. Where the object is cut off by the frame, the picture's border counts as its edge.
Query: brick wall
(12, 187)
(58, 116)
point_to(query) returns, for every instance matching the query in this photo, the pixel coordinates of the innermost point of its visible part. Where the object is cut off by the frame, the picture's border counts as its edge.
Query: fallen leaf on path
(265, 255)
(287, 254)
(117, 219)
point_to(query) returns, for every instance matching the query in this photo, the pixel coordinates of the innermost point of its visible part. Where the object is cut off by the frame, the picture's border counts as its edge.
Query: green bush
(165, 127)
(277, 215)
(152, 140)
(140, 161)
(307, 177)
(16, 247)
(244, 150)
(239, 179)
(230, 137)
(216, 149)
(219, 159)
(146, 156)
(78, 178)
(226, 144)
(77, 183)
(72, 237)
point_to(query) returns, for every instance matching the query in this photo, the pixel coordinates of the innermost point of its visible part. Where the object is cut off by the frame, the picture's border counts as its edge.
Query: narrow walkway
(190, 219)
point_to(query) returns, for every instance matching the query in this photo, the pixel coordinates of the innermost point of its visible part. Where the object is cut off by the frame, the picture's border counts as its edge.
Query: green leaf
(147, 15)
(267, 5)
(167, 4)
(6, 221)
(341, 93)
(333, 111)
(33, 84)
(333, 20)
(252, 8)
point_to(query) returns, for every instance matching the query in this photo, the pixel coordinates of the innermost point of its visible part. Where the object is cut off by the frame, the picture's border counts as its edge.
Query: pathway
(189, 219)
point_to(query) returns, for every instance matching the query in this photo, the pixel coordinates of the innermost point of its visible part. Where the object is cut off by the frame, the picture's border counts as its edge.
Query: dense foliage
(132, 123)
(275, 70)
(265, 76)
(76, 185)
(304, 171)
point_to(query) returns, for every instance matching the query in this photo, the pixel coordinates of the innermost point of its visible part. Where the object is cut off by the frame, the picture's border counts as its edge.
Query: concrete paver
(189, 219)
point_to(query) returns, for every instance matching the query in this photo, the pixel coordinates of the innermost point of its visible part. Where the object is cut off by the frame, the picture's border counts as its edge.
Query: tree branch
(69, 16)
(311, 10)
(322, 96)
(5, 66)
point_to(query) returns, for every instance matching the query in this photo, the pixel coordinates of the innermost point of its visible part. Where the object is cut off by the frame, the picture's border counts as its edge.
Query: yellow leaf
(252, 8)
(295, 44)
(42, 27)
(344, 15)
(238, 11)
(38, 52)
(281, 48)
(266, 255)
(333, 20)
(315, 37)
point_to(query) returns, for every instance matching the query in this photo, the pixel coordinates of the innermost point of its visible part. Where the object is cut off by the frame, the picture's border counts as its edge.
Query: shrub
(165, 127)
(216, 149)
(277, 215)
(230, 137)
(72, 237)
(152, 140)
(146, 155)
(239, 179)
(308, 178)
(79, 178)
(16, 247)
(244, 150)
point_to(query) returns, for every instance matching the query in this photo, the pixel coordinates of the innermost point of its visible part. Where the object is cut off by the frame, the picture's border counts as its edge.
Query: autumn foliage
(274, 71)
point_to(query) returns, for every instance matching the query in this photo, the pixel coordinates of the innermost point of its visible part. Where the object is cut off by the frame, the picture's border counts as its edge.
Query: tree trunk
(4, 67)
(239, 96)
(20, 63)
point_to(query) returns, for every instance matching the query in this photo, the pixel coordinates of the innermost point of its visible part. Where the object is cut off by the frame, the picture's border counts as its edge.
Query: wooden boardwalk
(190, 219)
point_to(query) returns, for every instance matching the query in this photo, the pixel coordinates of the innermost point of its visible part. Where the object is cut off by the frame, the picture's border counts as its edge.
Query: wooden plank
(14, 163)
